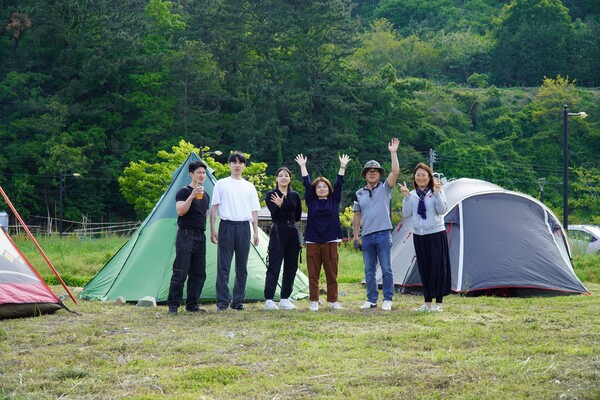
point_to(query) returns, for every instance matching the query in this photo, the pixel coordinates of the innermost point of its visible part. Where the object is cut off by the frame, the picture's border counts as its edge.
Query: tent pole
(36, 244)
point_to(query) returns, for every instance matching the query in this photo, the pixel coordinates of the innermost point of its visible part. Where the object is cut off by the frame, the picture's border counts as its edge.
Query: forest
(94, 87)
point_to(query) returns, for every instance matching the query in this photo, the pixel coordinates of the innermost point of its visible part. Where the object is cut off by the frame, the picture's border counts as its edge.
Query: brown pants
(327, 255)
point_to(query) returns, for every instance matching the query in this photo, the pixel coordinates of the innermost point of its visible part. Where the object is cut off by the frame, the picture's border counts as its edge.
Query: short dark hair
(237, 156)
(194, 165)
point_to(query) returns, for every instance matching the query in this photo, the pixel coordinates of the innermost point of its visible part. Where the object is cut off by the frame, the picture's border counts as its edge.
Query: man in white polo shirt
(237, 202)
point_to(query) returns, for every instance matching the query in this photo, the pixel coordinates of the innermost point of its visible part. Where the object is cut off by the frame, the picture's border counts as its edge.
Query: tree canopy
(104, 88)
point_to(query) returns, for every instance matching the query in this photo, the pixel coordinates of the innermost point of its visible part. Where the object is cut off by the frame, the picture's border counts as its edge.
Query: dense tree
(143, 182)
(586, 195)
(584, 61)
(288, 77)
(462, 54)
(425, 18)
(532, 41)
(409, 56)
(89, 86)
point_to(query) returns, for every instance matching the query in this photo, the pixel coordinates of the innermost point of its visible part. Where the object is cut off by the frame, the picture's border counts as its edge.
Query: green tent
(143, 266)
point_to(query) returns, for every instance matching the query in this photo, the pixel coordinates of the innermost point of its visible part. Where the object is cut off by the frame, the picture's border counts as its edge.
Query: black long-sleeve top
(290, 210)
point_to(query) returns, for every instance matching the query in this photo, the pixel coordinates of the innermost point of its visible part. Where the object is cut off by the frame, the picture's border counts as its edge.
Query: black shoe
(239, 308)
(172, 312)
(196, 311)
(221, 309)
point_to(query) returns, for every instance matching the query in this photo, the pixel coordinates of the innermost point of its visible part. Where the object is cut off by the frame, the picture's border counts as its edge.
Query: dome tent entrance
(23, 293)
(500, 241)
(143, 266)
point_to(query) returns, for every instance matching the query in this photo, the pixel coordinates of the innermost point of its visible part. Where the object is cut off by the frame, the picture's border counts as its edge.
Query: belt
(234, 222)
(289, 222)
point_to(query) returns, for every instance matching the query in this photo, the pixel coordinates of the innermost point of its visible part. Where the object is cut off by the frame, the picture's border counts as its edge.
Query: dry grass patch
(478, 348)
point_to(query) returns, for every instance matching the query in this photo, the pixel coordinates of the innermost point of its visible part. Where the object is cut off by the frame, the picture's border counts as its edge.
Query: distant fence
(48, 226)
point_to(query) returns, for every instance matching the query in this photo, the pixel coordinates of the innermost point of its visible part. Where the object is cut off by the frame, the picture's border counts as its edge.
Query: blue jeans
(378, 245)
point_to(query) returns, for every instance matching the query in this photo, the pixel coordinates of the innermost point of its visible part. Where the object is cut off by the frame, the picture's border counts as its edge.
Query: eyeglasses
(372, 171)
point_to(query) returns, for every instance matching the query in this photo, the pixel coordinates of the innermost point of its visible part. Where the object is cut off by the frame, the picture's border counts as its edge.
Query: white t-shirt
(237, 199)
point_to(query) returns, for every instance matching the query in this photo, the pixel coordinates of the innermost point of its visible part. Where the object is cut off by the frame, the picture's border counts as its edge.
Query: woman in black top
(284, 243)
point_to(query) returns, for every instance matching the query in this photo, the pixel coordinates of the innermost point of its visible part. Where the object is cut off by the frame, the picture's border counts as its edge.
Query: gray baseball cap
(372, 164)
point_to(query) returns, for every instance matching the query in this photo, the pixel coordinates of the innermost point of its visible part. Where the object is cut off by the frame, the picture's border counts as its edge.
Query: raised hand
(277, 200)
(404, 189)
(393, 145)
(301, 160)
(344, 160)
(197, 191)
(437, 184)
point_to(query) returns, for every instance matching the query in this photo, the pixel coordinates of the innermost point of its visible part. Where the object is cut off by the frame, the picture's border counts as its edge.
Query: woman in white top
(426, 206)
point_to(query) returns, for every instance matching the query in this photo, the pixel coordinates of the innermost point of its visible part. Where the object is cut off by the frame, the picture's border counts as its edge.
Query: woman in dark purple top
(323, 230)
(284, 244)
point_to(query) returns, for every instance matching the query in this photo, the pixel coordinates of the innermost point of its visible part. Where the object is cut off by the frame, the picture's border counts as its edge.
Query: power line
(81, 177)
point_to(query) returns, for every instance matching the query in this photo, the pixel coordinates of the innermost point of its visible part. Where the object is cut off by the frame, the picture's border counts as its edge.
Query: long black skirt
(433, 260)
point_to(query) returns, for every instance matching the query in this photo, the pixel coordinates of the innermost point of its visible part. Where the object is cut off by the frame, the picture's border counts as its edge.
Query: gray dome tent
(501, 242)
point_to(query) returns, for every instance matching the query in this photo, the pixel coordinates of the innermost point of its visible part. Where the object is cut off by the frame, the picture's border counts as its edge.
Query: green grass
(76, 260)
(478, 348)
(587, 267)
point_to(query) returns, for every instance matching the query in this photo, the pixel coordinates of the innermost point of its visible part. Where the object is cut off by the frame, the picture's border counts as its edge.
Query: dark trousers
(234, 237)
(190, 264)
(433, 261)
(284, 245)
(325, 254)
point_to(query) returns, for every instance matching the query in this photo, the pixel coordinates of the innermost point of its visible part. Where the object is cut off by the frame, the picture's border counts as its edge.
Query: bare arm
(393, 176)
(356, 224)
(182, 207)
(213, 217)
(301, 160)
(255, 226)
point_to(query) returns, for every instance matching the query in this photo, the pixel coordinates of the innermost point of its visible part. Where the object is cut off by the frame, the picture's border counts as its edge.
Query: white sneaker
(336, 305)
(423, 308)
(368, 305)
(285, 304)
(387, 305)
(270, 305)
(436, 308)
(314, 306)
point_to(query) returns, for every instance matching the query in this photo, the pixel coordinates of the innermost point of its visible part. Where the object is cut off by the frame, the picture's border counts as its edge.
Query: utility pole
(566, 115)
(542, 182)
(61, 189)
(60, 203)
(431, 158)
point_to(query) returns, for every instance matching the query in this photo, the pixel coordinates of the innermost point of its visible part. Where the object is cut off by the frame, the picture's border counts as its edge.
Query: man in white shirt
(237, 202)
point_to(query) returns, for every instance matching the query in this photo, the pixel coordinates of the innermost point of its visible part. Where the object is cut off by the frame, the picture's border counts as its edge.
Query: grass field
(478, 348)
